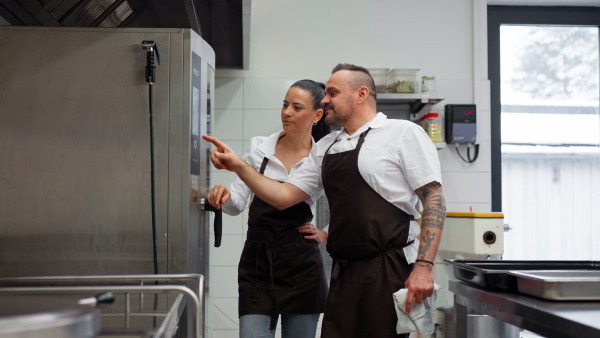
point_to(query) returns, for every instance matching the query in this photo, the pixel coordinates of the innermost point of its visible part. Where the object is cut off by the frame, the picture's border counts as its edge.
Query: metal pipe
(110, 278)
(127, 310)
(105, 278)
(169, 317)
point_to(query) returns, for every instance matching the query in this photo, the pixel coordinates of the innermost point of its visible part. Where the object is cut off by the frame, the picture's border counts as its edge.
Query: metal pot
(479, 326)
(47, 317)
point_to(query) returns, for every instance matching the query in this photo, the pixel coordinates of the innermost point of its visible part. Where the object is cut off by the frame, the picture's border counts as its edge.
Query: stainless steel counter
(547, 318)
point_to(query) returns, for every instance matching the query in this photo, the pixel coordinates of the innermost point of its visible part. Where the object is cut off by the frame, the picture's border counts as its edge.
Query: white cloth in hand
(421, 317)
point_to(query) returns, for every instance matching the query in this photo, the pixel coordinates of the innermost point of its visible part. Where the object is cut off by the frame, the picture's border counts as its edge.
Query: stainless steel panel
(75, 168)
(559, 284)
(75, 152)
(75, 162)
(193, 246)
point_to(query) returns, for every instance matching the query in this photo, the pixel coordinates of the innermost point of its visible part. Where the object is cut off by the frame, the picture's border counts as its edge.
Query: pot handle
(99, 300)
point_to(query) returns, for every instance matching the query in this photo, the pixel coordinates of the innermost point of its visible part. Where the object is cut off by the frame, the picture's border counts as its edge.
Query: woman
(281, 271)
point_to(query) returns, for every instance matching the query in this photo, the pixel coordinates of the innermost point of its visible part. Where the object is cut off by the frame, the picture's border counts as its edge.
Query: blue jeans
(292, 326)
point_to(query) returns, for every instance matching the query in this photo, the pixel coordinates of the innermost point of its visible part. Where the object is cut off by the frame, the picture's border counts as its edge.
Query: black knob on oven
(218, 223)
(489, 237)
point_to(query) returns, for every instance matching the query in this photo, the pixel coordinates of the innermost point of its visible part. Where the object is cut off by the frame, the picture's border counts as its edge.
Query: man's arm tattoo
(434, 205)
(426, 243)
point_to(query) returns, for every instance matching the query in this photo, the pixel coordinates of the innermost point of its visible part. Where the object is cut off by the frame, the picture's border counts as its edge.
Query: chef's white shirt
(396, 158)
(259, 148)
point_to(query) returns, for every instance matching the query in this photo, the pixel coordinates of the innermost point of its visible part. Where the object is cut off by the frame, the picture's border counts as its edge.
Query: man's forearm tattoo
(434, 205)
(436, 212)
(426, 243)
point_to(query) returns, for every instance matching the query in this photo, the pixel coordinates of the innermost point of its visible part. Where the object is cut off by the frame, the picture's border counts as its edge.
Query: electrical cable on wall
(151, 48)
(475, 154)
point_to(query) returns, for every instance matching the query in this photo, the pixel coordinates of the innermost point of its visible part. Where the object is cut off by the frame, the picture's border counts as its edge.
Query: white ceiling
(545, 2)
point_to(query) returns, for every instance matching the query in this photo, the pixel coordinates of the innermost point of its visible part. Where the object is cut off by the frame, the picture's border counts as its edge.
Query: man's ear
(363, 94)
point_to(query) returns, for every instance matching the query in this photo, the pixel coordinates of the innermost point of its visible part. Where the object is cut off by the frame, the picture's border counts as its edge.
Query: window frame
(520, 15)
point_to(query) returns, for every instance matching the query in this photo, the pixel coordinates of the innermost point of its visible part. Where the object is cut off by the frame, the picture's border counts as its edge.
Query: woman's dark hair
(317, 91)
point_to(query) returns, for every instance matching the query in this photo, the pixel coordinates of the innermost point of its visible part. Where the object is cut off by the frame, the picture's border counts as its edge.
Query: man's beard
(335, 119)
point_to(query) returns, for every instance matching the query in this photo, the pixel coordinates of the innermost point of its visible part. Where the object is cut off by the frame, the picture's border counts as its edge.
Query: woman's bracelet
(423, 260)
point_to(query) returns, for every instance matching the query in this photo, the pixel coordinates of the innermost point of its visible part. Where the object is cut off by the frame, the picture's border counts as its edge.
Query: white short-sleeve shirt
(259, 148)
(396, 158)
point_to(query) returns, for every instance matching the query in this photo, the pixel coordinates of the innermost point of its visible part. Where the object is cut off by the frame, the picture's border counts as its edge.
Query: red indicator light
(469, 112)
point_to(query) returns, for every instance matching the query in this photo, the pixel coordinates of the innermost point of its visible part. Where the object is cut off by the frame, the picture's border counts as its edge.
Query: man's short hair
(361, 77)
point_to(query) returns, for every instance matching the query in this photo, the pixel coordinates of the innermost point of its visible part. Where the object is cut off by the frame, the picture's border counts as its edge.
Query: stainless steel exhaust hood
(224, 24)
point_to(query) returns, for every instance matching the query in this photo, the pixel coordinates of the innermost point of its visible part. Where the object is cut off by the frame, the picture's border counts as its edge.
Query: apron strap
(338, 263)
(331, 145)
(361, 140)
(266, 247)
(264, 165)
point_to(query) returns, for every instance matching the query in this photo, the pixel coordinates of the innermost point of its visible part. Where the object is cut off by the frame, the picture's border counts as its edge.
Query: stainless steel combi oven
(102, 172)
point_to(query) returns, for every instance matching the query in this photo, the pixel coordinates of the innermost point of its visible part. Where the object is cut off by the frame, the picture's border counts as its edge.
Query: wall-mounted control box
(460, 123)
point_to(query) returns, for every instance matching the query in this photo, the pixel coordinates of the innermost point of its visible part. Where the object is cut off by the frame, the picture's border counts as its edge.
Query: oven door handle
(218, 222)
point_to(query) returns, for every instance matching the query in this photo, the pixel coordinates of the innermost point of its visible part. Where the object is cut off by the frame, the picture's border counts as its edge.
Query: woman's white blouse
(259, 148)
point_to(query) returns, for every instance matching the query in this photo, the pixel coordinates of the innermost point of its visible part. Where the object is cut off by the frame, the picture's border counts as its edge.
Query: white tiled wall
(435, 36)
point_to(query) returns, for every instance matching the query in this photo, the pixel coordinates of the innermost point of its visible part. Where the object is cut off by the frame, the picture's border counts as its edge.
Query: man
(374, 172)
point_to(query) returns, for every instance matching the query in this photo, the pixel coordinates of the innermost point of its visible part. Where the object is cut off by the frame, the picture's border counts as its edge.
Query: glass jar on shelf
(402, 80)
(428, 84)
(379, 77)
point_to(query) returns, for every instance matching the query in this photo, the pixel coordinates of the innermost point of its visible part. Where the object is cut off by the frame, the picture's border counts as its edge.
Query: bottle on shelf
(432, 123)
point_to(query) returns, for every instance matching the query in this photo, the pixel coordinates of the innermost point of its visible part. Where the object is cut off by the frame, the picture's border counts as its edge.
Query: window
(544, 73)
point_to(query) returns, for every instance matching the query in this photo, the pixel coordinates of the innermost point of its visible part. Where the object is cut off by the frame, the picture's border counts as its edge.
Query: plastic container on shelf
(380, 77)
(402, 80)
(432, 123)
(428, 84)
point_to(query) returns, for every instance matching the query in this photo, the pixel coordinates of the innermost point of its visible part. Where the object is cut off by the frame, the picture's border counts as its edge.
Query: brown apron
(280, 271)
(366, 237)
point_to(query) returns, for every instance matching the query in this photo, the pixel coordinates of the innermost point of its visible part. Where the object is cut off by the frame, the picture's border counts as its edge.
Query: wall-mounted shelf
(394, 105)
(440, 145)
(415, 101)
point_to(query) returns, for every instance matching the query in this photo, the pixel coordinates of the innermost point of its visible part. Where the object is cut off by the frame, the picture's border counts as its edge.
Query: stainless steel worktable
(547, 318)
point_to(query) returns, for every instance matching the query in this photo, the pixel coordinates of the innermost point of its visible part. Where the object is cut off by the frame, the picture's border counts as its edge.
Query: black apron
(366, 237)
(280, 271)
